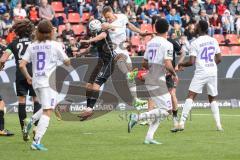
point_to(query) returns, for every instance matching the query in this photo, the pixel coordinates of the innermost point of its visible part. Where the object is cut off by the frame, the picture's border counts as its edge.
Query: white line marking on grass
(226, 115)
(88, 133)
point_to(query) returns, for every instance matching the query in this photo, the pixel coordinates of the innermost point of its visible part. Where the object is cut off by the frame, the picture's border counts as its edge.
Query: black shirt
(2, 48)
(18, 48)
(104, 47)
(176, 50)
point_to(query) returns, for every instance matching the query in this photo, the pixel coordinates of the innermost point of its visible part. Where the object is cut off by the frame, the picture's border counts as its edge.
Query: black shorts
(101, 72)
(23, 88)
(170, 83)
(1, 98)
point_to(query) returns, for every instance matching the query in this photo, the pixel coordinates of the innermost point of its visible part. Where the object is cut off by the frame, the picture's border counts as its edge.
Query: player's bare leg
(186, 109)
(41, 130)
(3, 131)
(92, 94)
(215, 112)
(151, 105)
(22, 114)
(175, 107)
(37, 107)
(126, 69)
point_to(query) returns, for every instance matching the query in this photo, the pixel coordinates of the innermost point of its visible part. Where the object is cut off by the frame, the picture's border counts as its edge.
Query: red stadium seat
(63, 15)
(225, 50)
(60, 29)
(219, 38)
(146, 27)
(78, 29)
(233, 38)
(135, 40)
(235, 50)
(85, 17)
(73, 17)
(57, 6)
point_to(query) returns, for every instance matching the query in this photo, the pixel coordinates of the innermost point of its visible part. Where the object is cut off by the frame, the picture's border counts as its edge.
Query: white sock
(153, 114)
(186, 109)
(37, 116)
(41, 128)
(215, 112)
(152, 129)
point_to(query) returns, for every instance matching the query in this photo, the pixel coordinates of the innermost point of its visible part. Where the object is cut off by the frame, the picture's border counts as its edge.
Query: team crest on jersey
(170, 53)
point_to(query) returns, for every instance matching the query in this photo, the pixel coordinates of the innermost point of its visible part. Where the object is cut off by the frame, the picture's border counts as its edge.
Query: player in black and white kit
(3, 131)
(23, 30)
(103, 69)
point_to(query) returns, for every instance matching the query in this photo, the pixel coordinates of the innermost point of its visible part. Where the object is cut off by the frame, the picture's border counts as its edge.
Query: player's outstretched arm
(188, 63)
(218, 58)
(181, 60)
(95, 39)
(24, 70)
(4, 58)
(135, 29)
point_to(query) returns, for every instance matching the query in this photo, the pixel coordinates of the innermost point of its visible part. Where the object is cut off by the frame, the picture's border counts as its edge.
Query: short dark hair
(203, 26)
(106, 9)
(44, 31)
(161, 26)
(154, 19)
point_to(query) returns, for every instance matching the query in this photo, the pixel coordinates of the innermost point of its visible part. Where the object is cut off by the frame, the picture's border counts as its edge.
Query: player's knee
(35, 99)
(89, 86)
(21, 99)
(2, 105)
(172, 93)
(191, 95)
(47, 112)
(211, 99)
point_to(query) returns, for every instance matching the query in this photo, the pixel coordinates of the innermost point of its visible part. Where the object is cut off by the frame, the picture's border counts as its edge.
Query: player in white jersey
(116, 26)
(44, 54)
(158, 60)
(205, 52)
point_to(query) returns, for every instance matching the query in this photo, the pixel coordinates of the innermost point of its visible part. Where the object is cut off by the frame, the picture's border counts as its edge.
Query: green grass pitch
(106, 138)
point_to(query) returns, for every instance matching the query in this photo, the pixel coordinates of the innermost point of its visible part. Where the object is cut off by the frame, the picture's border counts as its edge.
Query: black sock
(89, 97)
(1, 120)
(22, 113)
(37, 107)
(175, 112)
(93, 100)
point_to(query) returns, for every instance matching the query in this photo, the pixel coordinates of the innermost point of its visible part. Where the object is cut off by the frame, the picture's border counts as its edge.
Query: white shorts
(47, 97)
(198, 82)
(162, 101)
(125, 52)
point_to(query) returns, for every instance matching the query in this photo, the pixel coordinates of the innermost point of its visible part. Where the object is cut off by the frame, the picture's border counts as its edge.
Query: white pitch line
(226, 115)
